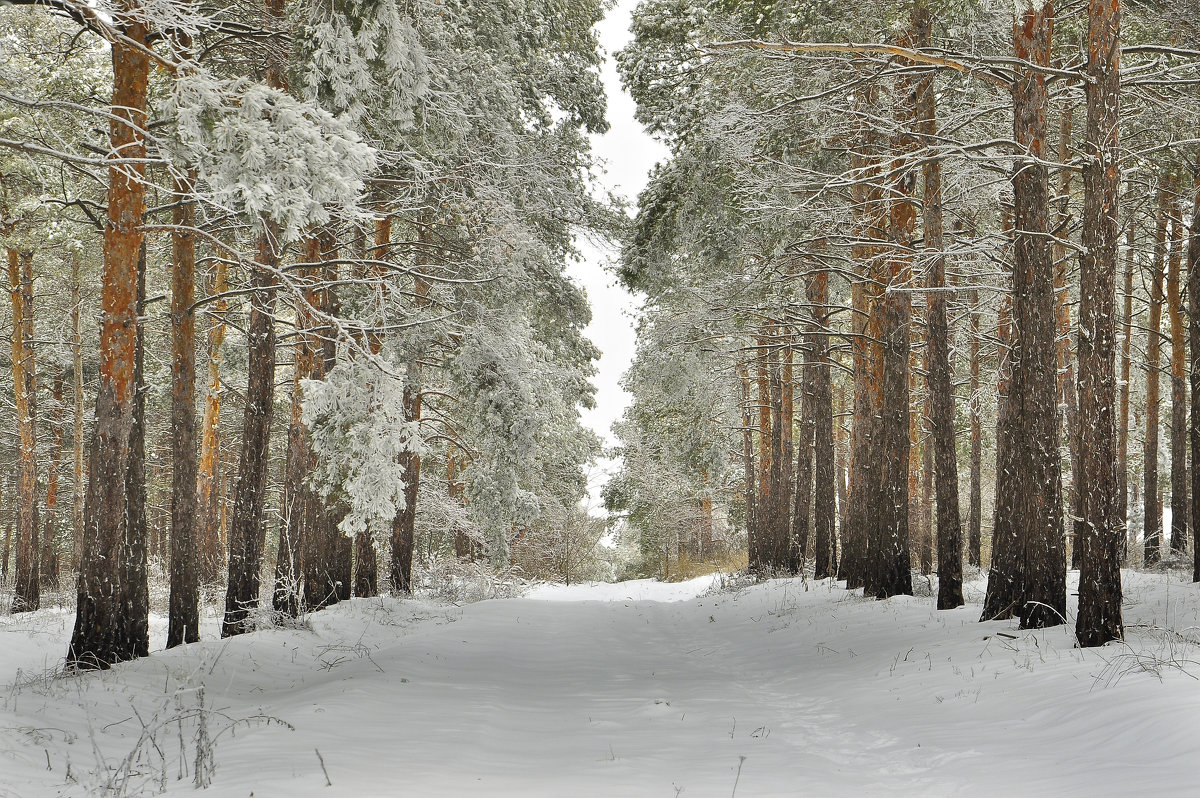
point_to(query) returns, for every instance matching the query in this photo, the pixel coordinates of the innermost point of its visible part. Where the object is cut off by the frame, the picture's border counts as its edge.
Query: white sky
(629, 155)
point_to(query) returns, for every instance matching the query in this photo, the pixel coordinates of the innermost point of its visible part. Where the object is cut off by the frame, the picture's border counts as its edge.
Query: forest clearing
(637, 688)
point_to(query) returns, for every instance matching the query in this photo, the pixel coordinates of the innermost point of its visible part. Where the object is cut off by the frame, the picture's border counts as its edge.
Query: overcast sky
(629, 155)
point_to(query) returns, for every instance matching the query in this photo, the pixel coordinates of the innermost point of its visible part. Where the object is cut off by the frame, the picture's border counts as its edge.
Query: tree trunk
(246, 530)
(941, 382)
(1099, 617)
(1193, 290)
(920, 494)
(292, 555)
(867, 358)
(135, 587)
(26, 590)
(766, 464)
(404, 527)
(211, 546)
(48, 568)
(100, 636)
(803, 489)
(1179, 488)
(1062, 312)
(821, 382)
(366, 573)
(77, 485)
(320, 538)
(748, 463)
(975, 512)
(1004, 570)
(184, 611)
(786, 420)
(1123, 419)
(246, 525)
(1152, 523)
(1033, 396)
(890, 570)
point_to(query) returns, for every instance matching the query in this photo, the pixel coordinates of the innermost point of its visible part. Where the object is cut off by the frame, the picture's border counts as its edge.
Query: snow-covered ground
(637, 689)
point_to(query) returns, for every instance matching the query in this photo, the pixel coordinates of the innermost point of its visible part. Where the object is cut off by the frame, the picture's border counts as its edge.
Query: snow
(635, 689)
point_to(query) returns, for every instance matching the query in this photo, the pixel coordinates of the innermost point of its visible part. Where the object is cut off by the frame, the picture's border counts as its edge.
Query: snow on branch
(267, 154)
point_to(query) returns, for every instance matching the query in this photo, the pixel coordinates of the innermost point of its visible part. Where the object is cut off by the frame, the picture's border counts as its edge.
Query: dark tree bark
(1179, 478)
(403, 528)
(1193, 289)
(890, 572)
(27, 587)
(100, 637)
(748, 468)
(778, 551)
(1033, 395)
(766, 464)
(1152, 523)
(184, 610)
(802, 492)
(246, 530)
(975, 511)
(246, 526)
(321, 537)
(867, 357)
(941, 383)
(135, 587)
(785, 419)
(1004, 571)
(298, 501)
(77, 485)
(1123, 419)
(1099, 617)
(824, 482)
(1062, 313)
(48, 568)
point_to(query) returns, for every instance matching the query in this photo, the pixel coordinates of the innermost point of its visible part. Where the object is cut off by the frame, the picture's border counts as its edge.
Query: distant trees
(866, 144)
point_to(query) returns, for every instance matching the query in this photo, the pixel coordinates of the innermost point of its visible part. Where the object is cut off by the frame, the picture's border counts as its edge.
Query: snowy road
(809, 690)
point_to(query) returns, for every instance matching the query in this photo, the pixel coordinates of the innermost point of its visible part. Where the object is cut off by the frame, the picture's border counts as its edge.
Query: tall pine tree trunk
(749, 478)
(27, 587)
(1062, 313)
(1033, 396)
(1180, 509)
(975, 511)
(246, 530)
(1004, 569)
(100, 637)
(890, 572)
(864, 512)
(211, 548)
(184, 621)
(246, 525)
(824, 482)
(1152, 523)
(1099, 617)
(404, 527)
(135, 588)
(1123, 419)
(803, 487)
(77, 485)
(1193, 289)
(48, 568)
(298, 502)
(941, 382)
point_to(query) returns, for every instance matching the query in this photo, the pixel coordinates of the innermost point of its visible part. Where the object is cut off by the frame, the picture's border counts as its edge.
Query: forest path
(805, 688)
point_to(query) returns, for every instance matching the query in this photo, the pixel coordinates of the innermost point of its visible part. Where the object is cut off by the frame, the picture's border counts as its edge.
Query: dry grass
(685, 568)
